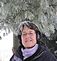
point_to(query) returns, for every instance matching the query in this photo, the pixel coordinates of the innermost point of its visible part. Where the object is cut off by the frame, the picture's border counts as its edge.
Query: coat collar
(37, 54)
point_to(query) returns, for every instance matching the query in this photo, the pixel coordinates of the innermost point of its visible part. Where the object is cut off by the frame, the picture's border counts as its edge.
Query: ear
(38, 36)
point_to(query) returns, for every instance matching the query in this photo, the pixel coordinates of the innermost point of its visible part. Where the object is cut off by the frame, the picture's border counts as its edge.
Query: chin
(29, 46)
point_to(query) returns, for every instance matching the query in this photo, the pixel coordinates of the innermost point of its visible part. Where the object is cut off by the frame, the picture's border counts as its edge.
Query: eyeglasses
(30, 33)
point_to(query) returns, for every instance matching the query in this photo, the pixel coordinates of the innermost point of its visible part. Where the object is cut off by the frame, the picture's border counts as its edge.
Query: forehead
(27, 29)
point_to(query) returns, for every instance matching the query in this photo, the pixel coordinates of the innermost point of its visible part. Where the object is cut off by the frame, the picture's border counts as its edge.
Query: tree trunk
(15, 43)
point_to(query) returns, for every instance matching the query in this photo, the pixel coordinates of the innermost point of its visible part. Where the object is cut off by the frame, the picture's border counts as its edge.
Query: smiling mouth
(28, 41)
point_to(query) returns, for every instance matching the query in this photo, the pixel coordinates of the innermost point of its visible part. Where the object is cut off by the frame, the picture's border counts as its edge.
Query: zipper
(38, 56)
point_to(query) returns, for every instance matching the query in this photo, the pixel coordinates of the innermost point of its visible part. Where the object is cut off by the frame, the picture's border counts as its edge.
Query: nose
(27, 36)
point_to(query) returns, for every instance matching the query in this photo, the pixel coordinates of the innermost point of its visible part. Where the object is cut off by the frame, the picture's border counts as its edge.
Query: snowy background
(6, 44)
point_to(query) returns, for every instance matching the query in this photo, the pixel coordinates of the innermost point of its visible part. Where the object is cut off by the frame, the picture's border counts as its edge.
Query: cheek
(22, 38)
(34, 37)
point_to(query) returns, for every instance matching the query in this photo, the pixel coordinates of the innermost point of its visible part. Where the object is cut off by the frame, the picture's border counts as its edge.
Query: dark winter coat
(42, 54)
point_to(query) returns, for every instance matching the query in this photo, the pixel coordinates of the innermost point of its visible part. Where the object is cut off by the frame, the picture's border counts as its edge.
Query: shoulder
(11, 57)
(47, 55)
(17, 56)
(44, 54)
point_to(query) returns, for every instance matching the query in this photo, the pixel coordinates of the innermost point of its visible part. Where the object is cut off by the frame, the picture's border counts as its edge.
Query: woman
(30, 49)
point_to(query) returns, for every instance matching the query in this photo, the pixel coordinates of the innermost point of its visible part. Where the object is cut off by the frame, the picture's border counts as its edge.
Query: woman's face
(28, 37)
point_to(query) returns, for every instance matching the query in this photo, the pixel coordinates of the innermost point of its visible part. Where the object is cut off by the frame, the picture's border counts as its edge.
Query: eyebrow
(29, 31)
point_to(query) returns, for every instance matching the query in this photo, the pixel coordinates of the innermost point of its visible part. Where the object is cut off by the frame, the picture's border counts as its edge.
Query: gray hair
(29, 24)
